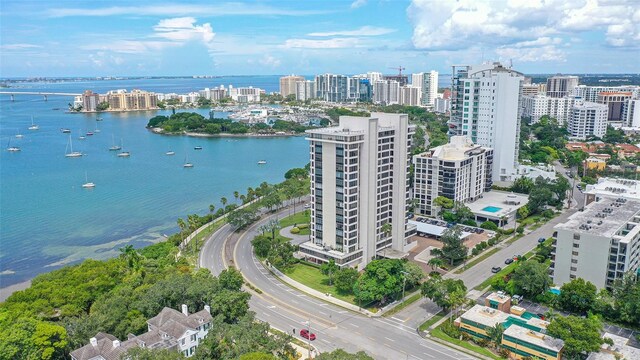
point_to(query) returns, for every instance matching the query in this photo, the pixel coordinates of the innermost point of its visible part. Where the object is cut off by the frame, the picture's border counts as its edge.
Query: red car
(305, 334)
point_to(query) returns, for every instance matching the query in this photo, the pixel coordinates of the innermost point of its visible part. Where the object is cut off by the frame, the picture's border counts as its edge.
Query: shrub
(302, 226)
(504, 353)
(489, 225)
(492, 241)
(520, 229)
(465, 336)
(481, 342)
(548, 214)
(507, 231)
(295, 230)
(450, 329)
(483, 245)
(475, 251)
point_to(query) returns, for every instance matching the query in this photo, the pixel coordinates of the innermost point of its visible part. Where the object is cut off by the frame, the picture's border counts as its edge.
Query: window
(193, 337)
(576, 236)
(576, 245)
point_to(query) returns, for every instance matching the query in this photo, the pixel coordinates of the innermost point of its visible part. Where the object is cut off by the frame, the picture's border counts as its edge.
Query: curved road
(286, 308)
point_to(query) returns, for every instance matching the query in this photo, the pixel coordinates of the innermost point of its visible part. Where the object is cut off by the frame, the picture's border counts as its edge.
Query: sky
(217, 37)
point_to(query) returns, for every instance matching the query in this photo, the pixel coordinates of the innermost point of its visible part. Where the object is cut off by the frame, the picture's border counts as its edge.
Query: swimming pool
(491, 209)
(554, 291)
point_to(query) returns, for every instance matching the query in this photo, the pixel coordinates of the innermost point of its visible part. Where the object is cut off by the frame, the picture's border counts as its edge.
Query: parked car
(305, 334)
(307, 206)
(540, 315)
(496, 269)
(508, 261)
(541, 240)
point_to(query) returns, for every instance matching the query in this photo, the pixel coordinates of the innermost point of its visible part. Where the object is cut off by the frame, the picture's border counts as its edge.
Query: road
(286, 308)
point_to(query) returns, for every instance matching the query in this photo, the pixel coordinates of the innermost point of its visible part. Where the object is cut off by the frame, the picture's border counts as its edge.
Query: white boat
(187, 164)
(99, 119)
(170, 153)
(71, 153)
(12, 148)
(262, 162)
(114, 147)
(19, 136)
(123, 153)
(65, 130)
(87, 184)
(197, 148)
(33, 126)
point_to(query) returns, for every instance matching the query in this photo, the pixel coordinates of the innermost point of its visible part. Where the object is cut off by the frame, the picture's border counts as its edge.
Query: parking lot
(536, 308)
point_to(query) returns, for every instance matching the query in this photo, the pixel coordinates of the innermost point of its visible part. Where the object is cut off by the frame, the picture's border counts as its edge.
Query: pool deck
(500, 200)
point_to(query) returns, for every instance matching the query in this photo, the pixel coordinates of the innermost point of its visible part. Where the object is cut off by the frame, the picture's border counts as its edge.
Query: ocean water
(47, 220)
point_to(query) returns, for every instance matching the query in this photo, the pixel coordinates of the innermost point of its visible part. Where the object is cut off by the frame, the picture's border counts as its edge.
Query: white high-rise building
(535, 107)
(631, 113)
(486, 107)
(386, 92)
(598, 244)
(587, 119)
(331, 87)
(359, 183)
(561, 85)
(288, 84)
(442, 105)
(591, 93)
(410, 95)
(428, 84)
(459, 170)
(305, 90)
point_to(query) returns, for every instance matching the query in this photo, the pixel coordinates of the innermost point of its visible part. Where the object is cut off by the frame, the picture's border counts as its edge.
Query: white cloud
(363, 31)
(19, 46)
(511, 24)
(222, 9)
(530, 54)
(335, 43)
(269, 61)
(358, 3)
(184, 29)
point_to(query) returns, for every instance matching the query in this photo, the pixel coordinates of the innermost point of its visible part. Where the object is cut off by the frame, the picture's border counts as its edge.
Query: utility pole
(404, 282)
(308, 323)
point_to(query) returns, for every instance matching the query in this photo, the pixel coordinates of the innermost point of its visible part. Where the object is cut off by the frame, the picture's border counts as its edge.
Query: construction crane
(399, 68)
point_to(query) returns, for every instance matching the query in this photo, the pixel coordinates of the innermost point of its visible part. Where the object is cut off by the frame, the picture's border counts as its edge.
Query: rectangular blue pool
(491, 209)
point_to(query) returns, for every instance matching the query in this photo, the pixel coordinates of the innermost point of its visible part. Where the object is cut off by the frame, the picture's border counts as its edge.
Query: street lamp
(308, 323)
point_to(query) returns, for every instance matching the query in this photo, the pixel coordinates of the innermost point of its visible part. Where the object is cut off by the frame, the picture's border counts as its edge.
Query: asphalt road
(286, 308)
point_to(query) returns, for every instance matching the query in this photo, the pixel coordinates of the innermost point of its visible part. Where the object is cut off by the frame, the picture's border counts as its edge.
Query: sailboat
(262, 162)
(123, 153)
(33, 126)
(12, 148)
(114, 147)
(187, 164)
(170, 152)
(96, 130)
(87, 184)
(72, 154)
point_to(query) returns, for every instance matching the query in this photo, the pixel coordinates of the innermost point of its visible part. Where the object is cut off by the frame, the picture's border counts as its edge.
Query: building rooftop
(485, 315)
(629, 189)
(619, 347)
(500, 298)
(495, 204)
(603, 217)
(534, 338)
(458, 148)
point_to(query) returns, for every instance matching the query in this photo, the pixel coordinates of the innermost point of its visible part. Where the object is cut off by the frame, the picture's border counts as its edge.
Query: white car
(307, 206)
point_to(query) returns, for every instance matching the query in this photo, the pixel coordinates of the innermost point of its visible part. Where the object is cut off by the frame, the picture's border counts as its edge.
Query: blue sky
(119, 38)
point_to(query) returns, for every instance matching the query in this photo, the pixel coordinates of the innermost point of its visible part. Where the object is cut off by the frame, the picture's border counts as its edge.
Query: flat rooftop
(534, 338)
(433, 227)
(620, 347)
(485, 315)
(501, 299)
(495, 204)
(603, 217)
(629, 189)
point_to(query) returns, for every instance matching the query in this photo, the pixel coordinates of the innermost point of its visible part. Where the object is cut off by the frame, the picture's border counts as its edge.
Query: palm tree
(495, 334)
(182, 226)
(236, 195)
(223, 201)
(550, 314)
(250, 193)
(386, 229)
(193, 225)
(212, 208)
(131, 256)
(435, 263)
(243, 198)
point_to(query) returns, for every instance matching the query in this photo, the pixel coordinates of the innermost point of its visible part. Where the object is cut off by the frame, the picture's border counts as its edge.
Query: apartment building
(428, 84)
(615, 101)
(305, 90)
(245, 94)
(359, 184)
(386, 92)
(288, 84)
(561, 85)
(359, 89)
(120, 100)
(591, 93)
(535, 107)
(598, 244)
(331, 87)
(631, 113)
(587, 119)
(486, 107)
(459, 170)
(410, 95)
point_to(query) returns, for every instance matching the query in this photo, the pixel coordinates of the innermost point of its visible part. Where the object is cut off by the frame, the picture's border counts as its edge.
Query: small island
(190, 123)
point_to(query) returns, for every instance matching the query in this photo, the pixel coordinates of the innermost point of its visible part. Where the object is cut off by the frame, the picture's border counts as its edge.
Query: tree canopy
(531, 278)
(579, 334)
(446, 293)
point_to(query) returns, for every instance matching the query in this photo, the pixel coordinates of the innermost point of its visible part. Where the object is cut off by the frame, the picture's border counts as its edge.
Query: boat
(99, 119)
(87, 184)
(65, 130)
(71, 153)
(262, 162)
(170, 152)
(89, 133)
(197, 148)
(81, 137)
(19, 136)
(123, 153)
(187, 164)
(12, 148)
(33, 126)
(96, 130)
(114, 147)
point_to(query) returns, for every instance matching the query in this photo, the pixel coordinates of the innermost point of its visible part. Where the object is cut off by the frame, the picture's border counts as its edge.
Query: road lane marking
(352, 324)
(395, 318)
(429, 355)
(390, 339)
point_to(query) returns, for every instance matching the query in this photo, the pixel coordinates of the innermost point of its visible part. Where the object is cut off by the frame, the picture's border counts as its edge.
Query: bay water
(47, 220)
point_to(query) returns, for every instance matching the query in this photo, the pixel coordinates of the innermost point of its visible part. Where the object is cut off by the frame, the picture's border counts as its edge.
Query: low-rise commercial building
(610, 187)
(600, 243)
(459, 170)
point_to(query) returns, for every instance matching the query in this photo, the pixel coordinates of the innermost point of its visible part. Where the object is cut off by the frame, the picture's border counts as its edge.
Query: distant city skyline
(74, 38)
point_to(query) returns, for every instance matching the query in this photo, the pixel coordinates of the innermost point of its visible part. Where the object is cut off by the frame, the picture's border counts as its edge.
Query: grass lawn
(465, 344)
(478, 259)
(434, 319)
(298, 218)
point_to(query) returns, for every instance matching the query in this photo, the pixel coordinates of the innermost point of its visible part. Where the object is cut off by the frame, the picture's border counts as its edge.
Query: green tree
(580, 335)
(495, 334)
(578, 296)
(340, 354)
(231, 279)
(531, 278)
(258, 356)
(131, 256)
(28, 338)
(413, 274)
(489, 225)
(522, 185)
(345, 279)
(223, 201)
(453, 248)
(435, 263)
(329, 269)
(443, 202)
(446, 293)
(626, 292)
(386, 229)
(240, 218)
(261, 246)
(381, 280)
(102, 106)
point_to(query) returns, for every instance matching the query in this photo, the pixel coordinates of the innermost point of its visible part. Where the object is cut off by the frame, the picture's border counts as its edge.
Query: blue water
(48, 220)
(491, 209)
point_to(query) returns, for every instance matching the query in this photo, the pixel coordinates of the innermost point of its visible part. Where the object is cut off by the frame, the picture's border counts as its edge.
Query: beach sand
(7, 291)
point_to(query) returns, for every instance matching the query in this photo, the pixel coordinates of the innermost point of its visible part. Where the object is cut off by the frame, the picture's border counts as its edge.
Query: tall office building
(615, 101)
(305, 90)
(331, 87)
(591, 93)
(486, 107)
(587, 119)
(359, 183)
(598, 244)
(428, 84)
(561, 85)
(288, 84)
(459, 170)
(359, 88)
(386, 92)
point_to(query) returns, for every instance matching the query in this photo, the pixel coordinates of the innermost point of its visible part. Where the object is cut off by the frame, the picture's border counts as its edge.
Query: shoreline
(158, 131)
(5, 292)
